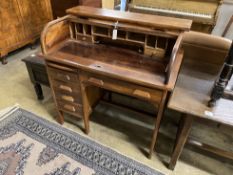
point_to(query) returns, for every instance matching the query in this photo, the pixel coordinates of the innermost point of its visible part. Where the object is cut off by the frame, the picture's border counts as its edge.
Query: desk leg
(60, 118)
(86, 109)
(181, 138)
(157, 123)
(39, 91)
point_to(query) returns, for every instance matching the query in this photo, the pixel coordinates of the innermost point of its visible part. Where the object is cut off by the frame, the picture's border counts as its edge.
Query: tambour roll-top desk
(94, 49)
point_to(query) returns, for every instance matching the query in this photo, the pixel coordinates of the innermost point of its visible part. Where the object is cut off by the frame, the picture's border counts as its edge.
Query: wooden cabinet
(60, 6)
(21, 22)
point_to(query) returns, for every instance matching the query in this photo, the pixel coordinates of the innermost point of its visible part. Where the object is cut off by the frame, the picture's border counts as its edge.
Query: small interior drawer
(131, 89)
(75, 109)
(58, 74)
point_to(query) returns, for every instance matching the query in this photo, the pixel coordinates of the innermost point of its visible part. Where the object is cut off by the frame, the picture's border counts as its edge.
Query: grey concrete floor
(121, 130)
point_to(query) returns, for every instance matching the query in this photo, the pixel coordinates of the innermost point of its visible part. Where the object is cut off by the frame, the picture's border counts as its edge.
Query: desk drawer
(68, 88)
(63, 75)
(123, 87)
(75, 109)
(72, 98)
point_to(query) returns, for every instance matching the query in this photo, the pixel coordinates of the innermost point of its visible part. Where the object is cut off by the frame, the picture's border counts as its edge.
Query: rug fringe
(4, 113)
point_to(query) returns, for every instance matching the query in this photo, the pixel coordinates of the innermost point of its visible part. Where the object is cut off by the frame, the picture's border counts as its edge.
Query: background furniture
(37, 73)
(59, 7)
(21, 22)
(84, 56)
(203, 13)
(223, 79)
(203, 59)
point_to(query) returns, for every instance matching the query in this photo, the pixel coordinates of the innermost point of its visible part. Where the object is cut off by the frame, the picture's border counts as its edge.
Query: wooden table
(37, 73)
(190, 97)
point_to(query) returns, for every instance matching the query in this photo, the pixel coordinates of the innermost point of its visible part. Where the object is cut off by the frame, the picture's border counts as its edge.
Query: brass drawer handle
(142, 94)
(67, 98)
(65, 88)
(67, 77)
(70, 108)
(96, 81)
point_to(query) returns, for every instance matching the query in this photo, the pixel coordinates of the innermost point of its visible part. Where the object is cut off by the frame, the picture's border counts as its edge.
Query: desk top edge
(131, 17)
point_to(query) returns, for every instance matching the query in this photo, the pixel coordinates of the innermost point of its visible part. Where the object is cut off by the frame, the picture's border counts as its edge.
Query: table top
(192, 93)
(34, 59)
(130, 17)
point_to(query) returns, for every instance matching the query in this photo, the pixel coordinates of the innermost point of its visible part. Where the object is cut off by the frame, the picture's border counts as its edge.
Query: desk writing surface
(116, 62)
(192, 93)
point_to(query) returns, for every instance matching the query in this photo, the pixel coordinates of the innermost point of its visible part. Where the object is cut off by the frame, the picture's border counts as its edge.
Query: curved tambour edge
(174, 55)
(54, 32)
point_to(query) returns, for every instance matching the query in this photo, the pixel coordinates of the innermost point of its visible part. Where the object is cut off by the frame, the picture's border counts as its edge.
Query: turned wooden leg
(3, 60)
(181, 138)
(39, 91)
(157, 124)
(60, 117)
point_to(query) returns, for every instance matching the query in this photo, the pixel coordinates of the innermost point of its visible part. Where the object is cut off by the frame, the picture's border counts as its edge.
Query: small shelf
(150, 44)
(121, 34)
(136, 37)
(101, 31)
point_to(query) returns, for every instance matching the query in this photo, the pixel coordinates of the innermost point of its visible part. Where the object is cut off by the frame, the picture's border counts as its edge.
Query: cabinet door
(93, 3)
(36, 14)
(11, 26)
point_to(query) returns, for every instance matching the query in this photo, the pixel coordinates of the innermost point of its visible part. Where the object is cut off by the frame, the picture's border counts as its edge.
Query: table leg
(181, 138)
(39, 91)
(157, 124)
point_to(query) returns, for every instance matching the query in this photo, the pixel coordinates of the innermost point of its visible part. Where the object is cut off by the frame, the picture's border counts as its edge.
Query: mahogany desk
(190, 97)
(92, 50)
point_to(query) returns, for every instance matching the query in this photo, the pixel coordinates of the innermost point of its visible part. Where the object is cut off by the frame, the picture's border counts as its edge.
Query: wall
(109, 4)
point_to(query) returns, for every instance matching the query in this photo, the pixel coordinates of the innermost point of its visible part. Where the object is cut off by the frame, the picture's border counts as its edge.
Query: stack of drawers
(66, 89)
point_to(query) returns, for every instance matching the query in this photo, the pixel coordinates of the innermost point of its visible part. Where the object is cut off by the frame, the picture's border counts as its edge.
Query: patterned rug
(31, 145)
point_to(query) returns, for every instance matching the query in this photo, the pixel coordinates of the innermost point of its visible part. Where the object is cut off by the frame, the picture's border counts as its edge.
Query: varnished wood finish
(21, 23)
(193, 89)
(182, 135)
(157, 122)
(129, 66)
(143, 60)
(59, 7)
(133, 18)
